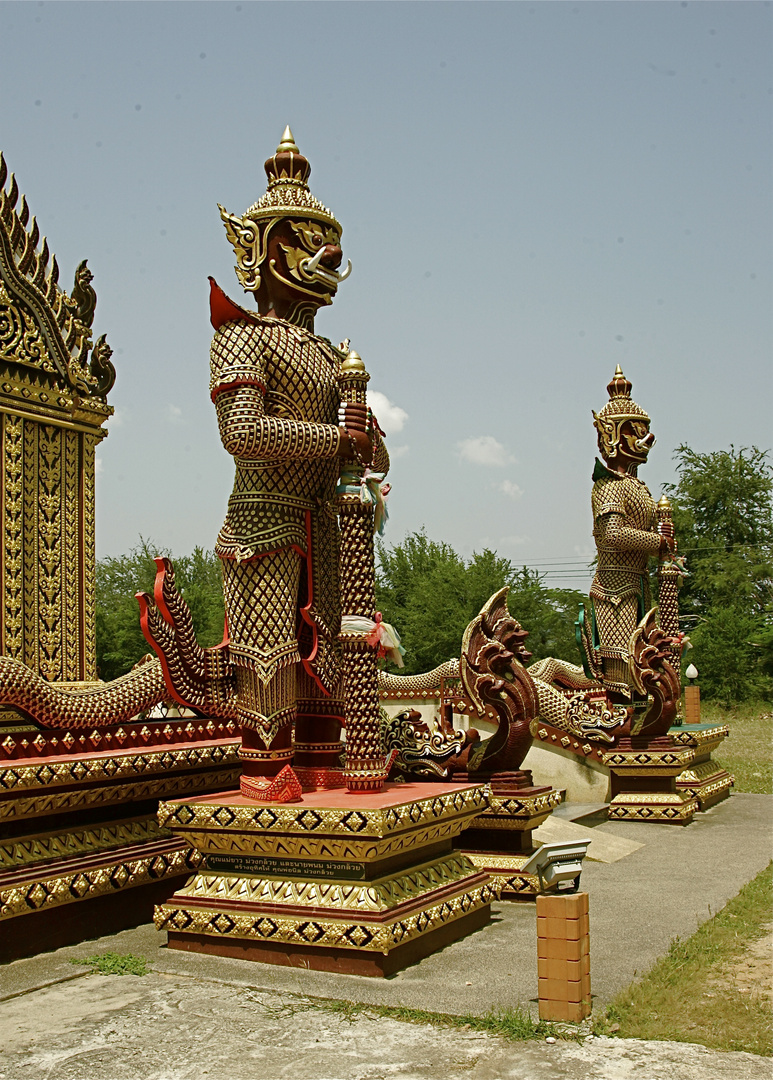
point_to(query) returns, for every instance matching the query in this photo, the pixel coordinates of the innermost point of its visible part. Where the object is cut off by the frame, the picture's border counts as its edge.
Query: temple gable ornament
(54, 381)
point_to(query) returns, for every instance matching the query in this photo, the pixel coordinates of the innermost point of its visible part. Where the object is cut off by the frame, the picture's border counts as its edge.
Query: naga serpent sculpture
(200, 679)
(102, 705)
(494, 678)
(496, 684)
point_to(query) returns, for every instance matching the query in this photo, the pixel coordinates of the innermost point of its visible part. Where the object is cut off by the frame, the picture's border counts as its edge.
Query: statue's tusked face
(636, 441)
(302, 261)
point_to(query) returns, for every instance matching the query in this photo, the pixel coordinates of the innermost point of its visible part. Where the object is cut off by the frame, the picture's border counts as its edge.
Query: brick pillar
(563, 957)
(692, 704)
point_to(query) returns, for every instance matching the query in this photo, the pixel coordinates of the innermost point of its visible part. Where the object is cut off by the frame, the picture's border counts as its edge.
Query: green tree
(548, 614)
(430, 594)
(723, 518)
(120, 641)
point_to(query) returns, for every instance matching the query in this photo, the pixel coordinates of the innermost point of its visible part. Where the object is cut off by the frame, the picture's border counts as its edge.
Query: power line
(569, 563)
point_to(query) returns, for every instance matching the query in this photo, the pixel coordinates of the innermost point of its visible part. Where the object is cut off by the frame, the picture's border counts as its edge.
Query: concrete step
(589, 814)
(604, 846)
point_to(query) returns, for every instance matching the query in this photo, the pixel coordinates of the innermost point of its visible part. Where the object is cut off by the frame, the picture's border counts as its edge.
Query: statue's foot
(313, 778)
(282, 788)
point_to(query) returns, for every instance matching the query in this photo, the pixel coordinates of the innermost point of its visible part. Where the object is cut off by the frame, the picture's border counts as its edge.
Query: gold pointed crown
(288, 193)
(620, 406)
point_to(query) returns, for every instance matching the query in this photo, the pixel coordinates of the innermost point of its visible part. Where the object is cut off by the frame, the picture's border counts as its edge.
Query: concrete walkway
(170, 1028)
(215, 1010)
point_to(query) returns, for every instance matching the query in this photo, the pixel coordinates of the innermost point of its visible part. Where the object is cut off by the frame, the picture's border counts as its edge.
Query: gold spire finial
(353, 363)
(288, 144)
(619, 387)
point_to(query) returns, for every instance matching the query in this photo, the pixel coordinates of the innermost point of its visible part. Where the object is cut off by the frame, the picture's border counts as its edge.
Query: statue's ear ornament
(250, 241)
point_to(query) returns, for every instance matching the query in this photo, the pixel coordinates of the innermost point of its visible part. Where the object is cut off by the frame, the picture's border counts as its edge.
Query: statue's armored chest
(639, 504)
(300, 375)
(627, 496)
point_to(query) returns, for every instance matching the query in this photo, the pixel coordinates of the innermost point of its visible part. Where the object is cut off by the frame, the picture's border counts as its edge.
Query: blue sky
(531, 193)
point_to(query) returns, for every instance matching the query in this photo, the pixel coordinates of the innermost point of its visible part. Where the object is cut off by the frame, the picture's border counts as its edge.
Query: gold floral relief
(20, 338)
(88, 560)
(49, 569)
(13, 576)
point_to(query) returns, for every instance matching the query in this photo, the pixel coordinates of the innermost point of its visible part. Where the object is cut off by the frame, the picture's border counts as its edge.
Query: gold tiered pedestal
(363, 884)
(80, 850)
(644, 780)
(703, 779)
(499, 841)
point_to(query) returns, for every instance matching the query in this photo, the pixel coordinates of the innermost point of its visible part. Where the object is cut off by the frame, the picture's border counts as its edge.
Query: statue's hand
(355, 445)
(354, 416)
(667, 544)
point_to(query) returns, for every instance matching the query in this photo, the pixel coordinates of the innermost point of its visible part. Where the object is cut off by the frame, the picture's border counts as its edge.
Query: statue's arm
(238, 387)
(614, 534)
(246, 431)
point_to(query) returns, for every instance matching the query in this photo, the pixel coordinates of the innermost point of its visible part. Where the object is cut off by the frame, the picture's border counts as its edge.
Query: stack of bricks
(563, 957)
(692, 704)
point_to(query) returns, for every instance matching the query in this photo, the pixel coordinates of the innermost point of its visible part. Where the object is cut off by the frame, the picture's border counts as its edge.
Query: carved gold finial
(664, 503)
(288, 144)
(288, 195)
(353, 363)
(619, 387)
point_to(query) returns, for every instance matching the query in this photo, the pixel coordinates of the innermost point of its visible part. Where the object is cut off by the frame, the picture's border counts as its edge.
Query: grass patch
(748, 753)
(111, 963)
(689, 995)
(514, 1024)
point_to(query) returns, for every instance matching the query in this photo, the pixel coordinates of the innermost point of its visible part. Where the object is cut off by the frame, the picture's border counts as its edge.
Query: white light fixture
(558, 865)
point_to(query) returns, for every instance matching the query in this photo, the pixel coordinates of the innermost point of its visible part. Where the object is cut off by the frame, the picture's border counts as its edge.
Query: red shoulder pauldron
(223, 310)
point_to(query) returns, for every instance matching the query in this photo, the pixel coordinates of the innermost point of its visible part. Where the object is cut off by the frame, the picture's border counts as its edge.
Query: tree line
(723, 520)
(723, 516)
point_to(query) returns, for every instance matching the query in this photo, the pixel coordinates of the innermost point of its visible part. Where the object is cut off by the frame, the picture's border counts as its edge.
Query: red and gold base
(80, 850)
(703, 779)
(364, 884)
(499, 841)
(644, 781)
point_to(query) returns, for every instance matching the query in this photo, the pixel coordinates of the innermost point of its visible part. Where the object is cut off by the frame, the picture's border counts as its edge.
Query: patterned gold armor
(276, 396)
(274, 388)
(624, 528)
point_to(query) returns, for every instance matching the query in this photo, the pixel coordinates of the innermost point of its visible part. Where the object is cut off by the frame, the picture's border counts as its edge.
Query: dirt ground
(753, 971)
